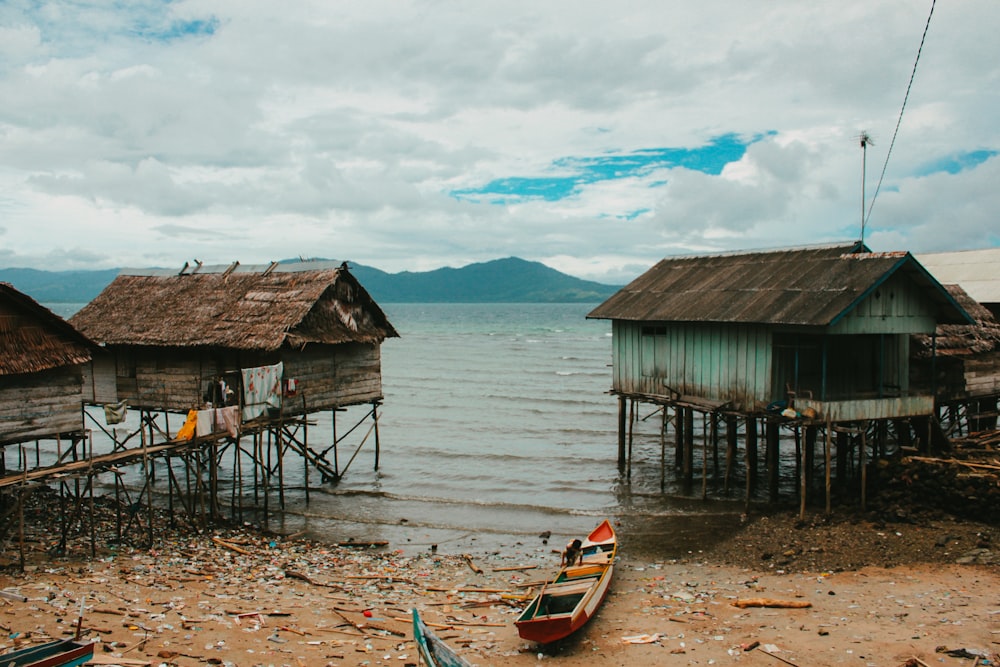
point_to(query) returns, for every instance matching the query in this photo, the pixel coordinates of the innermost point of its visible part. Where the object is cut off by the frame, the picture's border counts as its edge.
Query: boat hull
(433, 651)
(59, 653)
(569, 601)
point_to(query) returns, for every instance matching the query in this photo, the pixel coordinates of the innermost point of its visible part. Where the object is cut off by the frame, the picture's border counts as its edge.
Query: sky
(595, 137)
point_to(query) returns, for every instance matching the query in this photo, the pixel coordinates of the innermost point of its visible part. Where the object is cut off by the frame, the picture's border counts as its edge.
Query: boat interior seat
(585, 570)
(599, 557)
(570, 587)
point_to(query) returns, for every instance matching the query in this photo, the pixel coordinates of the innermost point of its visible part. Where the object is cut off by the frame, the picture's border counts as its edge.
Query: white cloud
(147, 133)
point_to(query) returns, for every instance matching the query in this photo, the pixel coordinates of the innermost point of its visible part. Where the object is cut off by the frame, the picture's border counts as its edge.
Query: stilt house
(176, 341)
(42, 362)
(826, 327)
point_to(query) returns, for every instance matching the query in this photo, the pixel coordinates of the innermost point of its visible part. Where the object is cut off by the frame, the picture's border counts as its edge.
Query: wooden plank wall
(175, 380)
(333, 376)
(728, 363)
(41, 405)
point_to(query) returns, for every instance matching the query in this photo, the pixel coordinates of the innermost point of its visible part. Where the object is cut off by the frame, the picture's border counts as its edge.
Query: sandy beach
(245, 599)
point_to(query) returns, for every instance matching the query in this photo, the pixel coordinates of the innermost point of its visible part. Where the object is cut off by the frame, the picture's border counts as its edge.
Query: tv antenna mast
(866, 141)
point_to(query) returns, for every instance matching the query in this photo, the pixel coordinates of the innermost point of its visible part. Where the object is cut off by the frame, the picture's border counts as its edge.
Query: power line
(900, 119)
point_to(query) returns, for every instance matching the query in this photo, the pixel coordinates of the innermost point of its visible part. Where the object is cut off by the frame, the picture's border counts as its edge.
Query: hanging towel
(206, 423)
(228, 420)
(261, 390)
(115, 413)
(187, 431)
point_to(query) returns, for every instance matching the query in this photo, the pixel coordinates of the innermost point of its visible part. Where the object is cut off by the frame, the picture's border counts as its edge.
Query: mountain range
(509, 280)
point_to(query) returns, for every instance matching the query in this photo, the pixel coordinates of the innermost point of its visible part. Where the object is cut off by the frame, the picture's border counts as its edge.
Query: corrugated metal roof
(812, 286)
(977, 271)
(239, 309)
(33, 338)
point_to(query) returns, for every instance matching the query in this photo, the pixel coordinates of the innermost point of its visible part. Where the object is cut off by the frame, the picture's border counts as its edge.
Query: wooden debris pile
(965, 482)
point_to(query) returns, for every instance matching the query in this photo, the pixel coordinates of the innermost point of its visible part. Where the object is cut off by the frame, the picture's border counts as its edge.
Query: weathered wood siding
(726, 363)
(330, 376)
(99, 379)
(961, 377)
(41, 405)
(875, 408)
(898, 306)
(177, 379)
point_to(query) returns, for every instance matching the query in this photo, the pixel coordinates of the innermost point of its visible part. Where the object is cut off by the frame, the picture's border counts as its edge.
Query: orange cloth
(187, 431)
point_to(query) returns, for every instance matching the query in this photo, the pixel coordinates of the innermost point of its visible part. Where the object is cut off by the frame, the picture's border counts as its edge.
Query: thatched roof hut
(41, 370)
(33, 338)
(172, 333)
(243, 308)
(962, 361)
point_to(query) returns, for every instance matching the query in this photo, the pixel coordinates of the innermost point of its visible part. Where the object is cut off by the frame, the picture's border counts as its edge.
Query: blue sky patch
(959, 162)
(178, 30)
(574, 172)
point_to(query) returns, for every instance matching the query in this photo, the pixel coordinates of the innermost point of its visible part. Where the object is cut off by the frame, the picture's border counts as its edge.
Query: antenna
(865, 139)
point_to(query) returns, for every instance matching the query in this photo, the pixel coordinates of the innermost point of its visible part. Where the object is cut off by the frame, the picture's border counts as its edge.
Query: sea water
(497, 427)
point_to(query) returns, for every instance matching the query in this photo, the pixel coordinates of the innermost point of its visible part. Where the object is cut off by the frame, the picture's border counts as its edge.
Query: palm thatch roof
(33, 338)
(245, 308)
(958, 340)
(813, 286)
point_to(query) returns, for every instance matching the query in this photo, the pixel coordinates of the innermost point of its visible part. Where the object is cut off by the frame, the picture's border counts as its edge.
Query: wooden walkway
(244, 470)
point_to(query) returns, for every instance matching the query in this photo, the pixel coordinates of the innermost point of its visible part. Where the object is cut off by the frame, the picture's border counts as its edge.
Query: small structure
(176, 341)
(240, 352)
(962, 363)
(821, 334)
(42, 360)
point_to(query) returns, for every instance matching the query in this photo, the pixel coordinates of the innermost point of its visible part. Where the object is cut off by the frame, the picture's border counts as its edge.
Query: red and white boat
(564, 604)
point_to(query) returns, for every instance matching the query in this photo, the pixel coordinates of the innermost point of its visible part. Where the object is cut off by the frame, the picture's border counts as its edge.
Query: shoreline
(243, 598)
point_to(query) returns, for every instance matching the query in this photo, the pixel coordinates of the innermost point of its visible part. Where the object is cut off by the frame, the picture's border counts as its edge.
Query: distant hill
(510, 280)
(59, 286)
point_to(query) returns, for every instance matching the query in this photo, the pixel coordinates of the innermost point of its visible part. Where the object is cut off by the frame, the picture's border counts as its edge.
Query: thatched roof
(814, 286)
(33, 338)
(958, 340)
(244, 308)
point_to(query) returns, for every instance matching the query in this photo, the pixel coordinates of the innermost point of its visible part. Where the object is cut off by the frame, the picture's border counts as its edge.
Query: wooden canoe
(59, 653)
(431, 650)
(563, 605)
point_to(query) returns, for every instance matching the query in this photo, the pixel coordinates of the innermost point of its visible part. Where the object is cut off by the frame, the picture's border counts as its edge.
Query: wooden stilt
(663, 449)
(731, 451)
(826, 450)
(621, 432)
(631, 427)
(772, 431)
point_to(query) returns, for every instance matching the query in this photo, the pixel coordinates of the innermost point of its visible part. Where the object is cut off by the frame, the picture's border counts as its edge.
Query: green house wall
(736, 363)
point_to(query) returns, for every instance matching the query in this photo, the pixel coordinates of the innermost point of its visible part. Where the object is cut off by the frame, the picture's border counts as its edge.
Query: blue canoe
(433, 651)
(59, 653)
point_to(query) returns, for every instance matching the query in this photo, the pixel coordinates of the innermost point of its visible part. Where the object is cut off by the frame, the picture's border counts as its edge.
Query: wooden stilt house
(826, 327)
(176, 341)
(42, 362)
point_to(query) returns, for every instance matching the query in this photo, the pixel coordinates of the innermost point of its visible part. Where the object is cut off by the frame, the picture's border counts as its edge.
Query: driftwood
(233, 547)
(516, 568)
(968, 464)
(768, 602)
(292, 574)
(475, 568)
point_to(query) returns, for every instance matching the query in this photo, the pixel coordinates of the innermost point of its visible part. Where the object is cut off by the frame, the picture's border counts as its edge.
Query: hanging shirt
(188, 430)
(115, 413)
